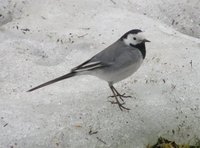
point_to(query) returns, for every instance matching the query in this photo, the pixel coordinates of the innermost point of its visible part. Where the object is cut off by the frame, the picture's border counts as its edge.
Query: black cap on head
(134, 31)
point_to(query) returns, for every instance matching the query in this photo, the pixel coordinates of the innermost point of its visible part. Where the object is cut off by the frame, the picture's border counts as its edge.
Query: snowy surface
(41, 40)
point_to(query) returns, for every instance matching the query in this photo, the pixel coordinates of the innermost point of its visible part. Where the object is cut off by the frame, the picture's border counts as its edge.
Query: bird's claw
(115, 102)
(119, 95)
(121, 107)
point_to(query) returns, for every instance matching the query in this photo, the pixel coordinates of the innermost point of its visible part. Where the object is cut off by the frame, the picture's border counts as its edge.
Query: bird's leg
(117, 101)
(120, 95)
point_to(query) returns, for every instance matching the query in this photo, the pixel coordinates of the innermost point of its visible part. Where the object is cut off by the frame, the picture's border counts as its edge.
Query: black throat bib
(141, 48)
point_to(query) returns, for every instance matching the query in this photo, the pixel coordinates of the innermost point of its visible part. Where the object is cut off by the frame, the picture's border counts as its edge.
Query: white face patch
(134, 39)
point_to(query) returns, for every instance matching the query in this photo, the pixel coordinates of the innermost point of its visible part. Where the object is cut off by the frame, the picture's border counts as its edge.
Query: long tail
(71, 74)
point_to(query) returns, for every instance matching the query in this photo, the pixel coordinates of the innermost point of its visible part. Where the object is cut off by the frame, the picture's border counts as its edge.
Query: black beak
(145, 40)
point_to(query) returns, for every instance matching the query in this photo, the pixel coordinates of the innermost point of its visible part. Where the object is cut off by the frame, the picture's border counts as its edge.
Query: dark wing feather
(89, 65)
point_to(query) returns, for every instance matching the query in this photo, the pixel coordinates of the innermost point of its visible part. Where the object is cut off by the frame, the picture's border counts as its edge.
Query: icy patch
(47, 39)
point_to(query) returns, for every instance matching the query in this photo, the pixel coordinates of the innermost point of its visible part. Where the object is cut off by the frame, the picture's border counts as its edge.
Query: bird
(113, 64)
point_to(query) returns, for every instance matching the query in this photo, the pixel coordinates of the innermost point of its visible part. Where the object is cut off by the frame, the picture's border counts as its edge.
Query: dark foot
(115, 102)
(121, 107)
(119, 95)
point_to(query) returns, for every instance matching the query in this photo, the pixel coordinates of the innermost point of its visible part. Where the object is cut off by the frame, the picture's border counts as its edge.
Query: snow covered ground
(41, 40)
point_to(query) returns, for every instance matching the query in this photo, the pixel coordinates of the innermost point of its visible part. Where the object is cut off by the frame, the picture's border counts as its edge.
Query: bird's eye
(134, 38)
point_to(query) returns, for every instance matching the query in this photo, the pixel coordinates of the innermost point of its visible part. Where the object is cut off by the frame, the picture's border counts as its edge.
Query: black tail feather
(71, 74)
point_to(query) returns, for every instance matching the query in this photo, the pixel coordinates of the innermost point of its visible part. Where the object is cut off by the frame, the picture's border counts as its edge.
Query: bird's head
(134, 37)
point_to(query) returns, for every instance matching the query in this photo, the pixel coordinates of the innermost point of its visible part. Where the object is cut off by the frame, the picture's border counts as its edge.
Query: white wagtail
(113, 64)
